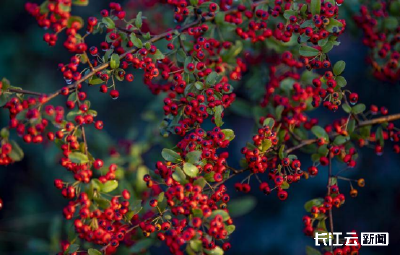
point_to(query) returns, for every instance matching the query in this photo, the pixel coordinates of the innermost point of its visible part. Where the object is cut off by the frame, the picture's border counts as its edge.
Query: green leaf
(196, 245)
(193, 157)
(109, 186)
(391, 23)
(339, 140)
(351, 126)
(199, 85)
(333, 23)
(72, 248)
(308, 51)
(365, 132)
(312, 251)
(72, 114)
(141, 245)
(315, 7)
(64, 7)
(323, 42)
(281, 152)
(224, 214)
(216, 251)
(107, 55)
(269, 122)
(92, 251)
(341, 81)
(379, 136)
(160, 197)
(322, 151)
(190, 170)
(287, 84)
(241, 206)
(285, 185)
(136, 41)
(181, 56)
(307, 23)
(320, 132)
(266, 144)
(78, 158)
(178, 175)
(170, 155)
(200, 181)
(339, 67)
(94, 80)
(80, 2)
(346, 108)
(394, 8)
(108, 22)
(3, 99)
(197, 213)
(229, 134)
(138, 20)
(4, 133)
(289, 13)
(73, 19)
(211, 78)
(359, 108)
(327, 47)
(333, 181)
(136, 207)
(230, 229)
(114, 62)
(158, 55)
(102, 202)
(315, 157)
(44, 7)
(278, 112)
(16, 154)
(313, 202)
(218, 115)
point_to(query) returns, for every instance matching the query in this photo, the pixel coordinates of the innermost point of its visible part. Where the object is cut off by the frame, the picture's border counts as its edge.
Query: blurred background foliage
(31, 221)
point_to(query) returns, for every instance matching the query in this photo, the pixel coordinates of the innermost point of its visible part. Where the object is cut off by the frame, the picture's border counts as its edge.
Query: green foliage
(339, 67)
(314, 202)
(241, 206)
(170, 155)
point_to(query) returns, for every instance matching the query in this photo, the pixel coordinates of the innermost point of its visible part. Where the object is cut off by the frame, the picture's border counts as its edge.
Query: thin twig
(301, 145)
(182, 45)
(23, 91)
(329, 192)
(379, 120)
(154, 39)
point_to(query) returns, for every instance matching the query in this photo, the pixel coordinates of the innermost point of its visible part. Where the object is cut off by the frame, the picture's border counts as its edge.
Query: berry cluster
(380, 25)
(318, 209)
(53, 15)
(5, 158)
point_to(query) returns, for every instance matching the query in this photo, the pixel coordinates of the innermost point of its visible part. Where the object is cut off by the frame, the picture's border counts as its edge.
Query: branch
(311, 141)
(329, 192)
(154, 39)
(380, 120)
(137, 32)
(182, 46)
(237, 172)
(22, 91)
(301, 145)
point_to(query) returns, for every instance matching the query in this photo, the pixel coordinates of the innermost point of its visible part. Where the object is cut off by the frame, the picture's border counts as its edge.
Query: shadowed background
(30, 222)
